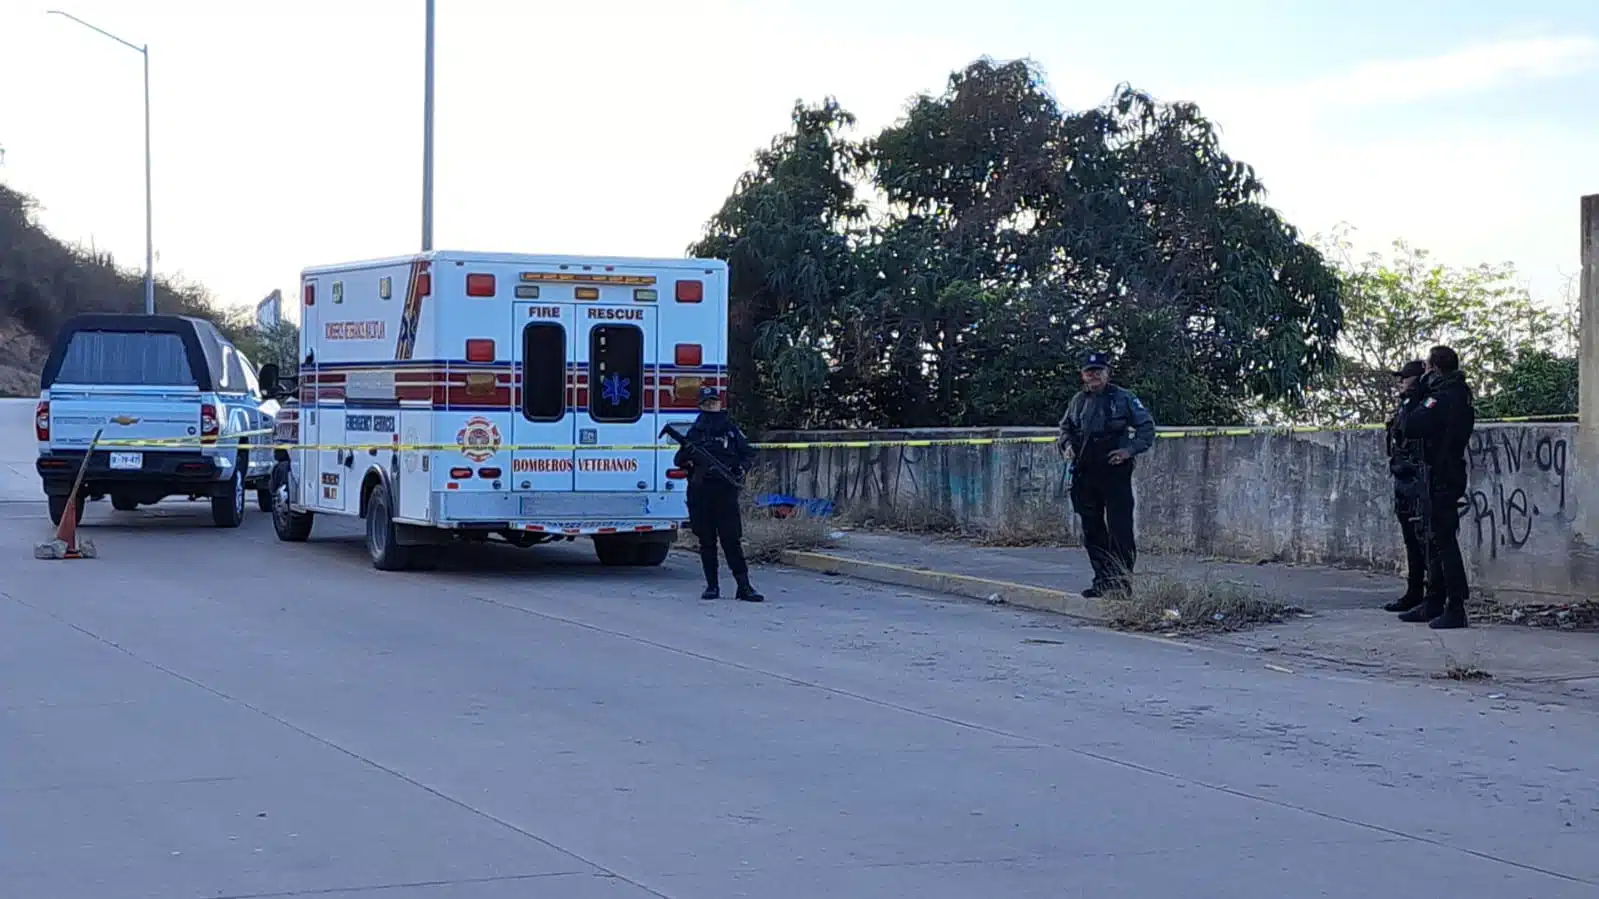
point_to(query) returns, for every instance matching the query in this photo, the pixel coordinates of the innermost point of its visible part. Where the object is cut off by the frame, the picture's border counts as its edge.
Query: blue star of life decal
(614, 389)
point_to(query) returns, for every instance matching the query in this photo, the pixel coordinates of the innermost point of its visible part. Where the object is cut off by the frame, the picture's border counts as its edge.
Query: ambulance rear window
(616, 373)
(544, 372)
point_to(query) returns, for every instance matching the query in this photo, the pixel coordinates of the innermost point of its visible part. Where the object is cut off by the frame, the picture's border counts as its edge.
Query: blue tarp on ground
(784, 505)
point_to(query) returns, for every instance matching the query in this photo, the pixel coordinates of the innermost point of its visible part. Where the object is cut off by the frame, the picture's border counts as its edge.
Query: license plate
(127, 461)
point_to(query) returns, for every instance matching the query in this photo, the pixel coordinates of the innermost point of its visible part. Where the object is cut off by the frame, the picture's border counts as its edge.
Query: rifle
(1418, 490)
(703, 453)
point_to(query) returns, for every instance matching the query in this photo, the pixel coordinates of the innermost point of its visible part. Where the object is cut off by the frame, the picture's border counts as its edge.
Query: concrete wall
(1321, 497)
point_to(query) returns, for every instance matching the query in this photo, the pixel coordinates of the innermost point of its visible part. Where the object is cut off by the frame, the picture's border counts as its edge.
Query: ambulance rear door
(616, 366)
(542, 356)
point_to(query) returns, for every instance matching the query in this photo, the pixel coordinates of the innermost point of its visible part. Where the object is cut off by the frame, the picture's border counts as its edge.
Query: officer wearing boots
(1105, 427)
(1407, 486)
(1442, 419)
(716, 455)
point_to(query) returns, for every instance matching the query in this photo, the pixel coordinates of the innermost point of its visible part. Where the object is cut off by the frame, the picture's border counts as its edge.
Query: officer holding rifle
(1438, 426)
(716, 455)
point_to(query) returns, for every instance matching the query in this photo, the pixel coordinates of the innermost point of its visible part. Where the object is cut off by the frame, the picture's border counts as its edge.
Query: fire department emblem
(479, 439)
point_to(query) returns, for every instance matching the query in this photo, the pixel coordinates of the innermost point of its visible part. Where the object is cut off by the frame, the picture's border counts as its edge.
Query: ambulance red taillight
(688, 355)
(480, 349)
(690, 291)
(309, 295)
(460, 474)
(480, 284)
(488, 473)
(424, 285)
(41, 421)
(676, 474)
(208, 423)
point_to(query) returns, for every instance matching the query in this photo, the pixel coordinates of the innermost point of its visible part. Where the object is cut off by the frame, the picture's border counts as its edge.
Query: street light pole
(149, 214)
(427, 137)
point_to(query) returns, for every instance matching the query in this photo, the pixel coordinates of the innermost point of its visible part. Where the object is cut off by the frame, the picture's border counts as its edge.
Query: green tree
(1397, 306)
(1009, 237)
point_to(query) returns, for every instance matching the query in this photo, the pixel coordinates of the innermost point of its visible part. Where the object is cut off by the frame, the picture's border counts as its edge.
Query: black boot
(711, 592)
(1453, 616)
(748, 593)
(1427, 610)
(1412, 598)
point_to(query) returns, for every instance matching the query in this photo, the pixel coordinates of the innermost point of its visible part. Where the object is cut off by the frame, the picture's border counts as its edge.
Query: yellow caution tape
(1165, 433)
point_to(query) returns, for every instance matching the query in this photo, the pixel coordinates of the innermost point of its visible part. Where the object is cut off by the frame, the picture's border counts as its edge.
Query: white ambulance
(453, 396)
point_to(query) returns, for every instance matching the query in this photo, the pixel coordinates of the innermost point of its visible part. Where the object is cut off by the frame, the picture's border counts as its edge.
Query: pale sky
(288, 133)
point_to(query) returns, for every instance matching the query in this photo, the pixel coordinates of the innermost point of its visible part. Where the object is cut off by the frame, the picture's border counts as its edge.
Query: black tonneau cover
(201, 338)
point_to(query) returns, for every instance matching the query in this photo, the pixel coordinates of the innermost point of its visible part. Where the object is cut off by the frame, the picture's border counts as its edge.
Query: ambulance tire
(382, 542)
(612, 551)
(291, 526)
(263, 499)
(651, 553)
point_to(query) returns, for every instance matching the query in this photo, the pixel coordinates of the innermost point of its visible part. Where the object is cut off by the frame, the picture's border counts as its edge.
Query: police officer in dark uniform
(1402, 464)
(1105, 427)
(716, 455)
(1442, 419)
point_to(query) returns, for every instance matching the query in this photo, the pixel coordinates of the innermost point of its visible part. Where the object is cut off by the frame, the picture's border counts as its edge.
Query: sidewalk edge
(1025, 595)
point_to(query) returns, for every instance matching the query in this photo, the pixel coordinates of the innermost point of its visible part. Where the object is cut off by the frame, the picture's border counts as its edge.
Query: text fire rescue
(564, 466)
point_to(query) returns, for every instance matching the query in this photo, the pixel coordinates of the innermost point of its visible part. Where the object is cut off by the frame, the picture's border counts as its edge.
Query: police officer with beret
(1404, 464)
(1104, 429)
(716, 455)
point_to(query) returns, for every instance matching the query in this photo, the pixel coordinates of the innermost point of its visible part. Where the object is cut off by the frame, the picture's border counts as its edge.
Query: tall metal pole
(149, 211)
(149, 217)
(427, 138)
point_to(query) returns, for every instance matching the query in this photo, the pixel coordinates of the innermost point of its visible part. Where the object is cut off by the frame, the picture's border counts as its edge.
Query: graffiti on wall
(1518, 478)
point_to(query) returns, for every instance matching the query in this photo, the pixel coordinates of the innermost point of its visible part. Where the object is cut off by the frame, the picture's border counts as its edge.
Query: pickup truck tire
(263, 499)
(58, 508)
(124, 503)
(382, 543)
(227, 507)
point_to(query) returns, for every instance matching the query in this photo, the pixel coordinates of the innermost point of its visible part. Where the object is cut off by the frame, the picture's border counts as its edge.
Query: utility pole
(427, 137)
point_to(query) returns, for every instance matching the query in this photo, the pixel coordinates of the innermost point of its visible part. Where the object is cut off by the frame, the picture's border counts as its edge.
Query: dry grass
(1577, 615)
(767, 535)
(1168, 604)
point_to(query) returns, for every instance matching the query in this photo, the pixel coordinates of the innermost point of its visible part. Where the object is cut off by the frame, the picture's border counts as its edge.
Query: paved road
(212, 714)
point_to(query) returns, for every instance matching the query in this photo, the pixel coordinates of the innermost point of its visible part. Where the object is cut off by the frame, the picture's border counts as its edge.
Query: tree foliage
(951, 269)
(1519, 355)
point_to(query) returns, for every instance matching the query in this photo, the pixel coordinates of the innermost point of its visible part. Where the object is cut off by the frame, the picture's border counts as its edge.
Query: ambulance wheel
(651, 553)
(227, 507)
(291, 526)
(612, 550)
(263, 499)
(382, 544)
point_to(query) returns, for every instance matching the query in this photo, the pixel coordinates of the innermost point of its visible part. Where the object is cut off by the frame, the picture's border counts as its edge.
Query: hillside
(43, 282)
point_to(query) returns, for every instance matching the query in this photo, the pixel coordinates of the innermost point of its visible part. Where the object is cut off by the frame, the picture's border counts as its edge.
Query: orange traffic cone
(67, 532)
(66, 545)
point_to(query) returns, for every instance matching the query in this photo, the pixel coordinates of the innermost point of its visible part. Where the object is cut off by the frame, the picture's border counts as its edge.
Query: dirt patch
(1578, 615)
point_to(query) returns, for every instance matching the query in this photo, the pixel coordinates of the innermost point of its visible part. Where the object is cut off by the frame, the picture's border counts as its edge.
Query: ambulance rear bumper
(569, 514)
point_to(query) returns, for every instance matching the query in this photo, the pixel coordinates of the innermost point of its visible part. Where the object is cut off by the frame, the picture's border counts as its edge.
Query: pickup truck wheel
(124, 503)
(263, 499)
(291, 526)
(382, 544)
(227, 508)
(58, 509)
(612, 550)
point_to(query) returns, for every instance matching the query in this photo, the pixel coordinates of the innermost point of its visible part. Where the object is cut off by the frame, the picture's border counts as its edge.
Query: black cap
(1415, 368)
(1096, 360)
(707, 394)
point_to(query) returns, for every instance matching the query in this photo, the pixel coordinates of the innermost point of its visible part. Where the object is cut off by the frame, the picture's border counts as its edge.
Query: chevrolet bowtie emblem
(124, 420)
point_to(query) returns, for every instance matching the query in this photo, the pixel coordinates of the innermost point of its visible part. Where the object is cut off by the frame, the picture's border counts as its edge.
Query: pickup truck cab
(178, 408)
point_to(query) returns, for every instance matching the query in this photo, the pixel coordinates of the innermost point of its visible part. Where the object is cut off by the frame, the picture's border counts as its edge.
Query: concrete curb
(1025, 595)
